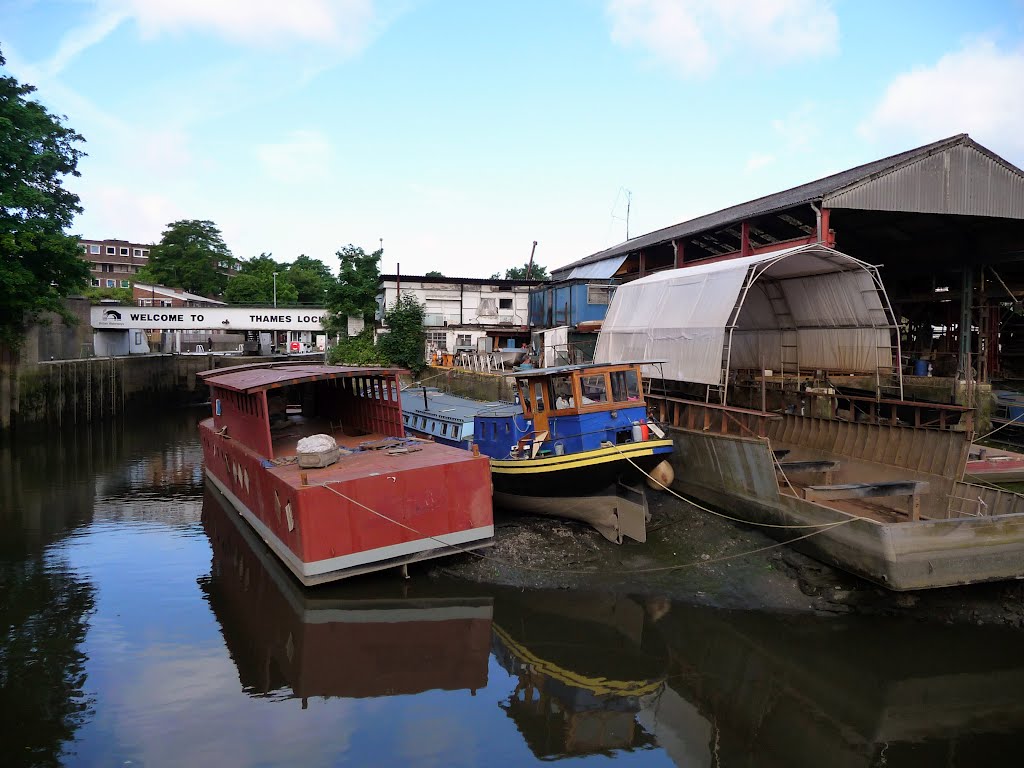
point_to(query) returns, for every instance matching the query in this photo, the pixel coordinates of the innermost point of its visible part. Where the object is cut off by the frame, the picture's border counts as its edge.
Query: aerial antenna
(629, 201)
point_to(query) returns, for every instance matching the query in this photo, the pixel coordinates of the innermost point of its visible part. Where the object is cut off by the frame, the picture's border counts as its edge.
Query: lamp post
(275, 290)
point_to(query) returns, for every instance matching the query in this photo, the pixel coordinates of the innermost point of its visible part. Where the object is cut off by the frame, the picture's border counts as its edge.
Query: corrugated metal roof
(249, 378)
(985, 169)
(961, 181)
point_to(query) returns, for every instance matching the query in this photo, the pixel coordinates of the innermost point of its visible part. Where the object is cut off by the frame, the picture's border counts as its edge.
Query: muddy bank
(695, 557)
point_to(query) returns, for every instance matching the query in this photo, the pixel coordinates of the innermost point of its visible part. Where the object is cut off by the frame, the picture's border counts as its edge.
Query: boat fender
(645, 432)
(637, 432)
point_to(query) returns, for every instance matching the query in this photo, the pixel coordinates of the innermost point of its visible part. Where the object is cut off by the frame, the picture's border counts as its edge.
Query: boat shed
(944, 222)
(808, 307)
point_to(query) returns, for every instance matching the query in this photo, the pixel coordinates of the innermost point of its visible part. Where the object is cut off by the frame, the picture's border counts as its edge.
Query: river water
(144, 626)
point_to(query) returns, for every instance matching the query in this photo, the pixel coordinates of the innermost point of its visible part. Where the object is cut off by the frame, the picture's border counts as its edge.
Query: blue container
(920, 367)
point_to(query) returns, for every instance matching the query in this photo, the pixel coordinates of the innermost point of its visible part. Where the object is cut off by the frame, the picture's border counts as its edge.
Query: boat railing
(722, 419)
(728, 419)
(921, 414)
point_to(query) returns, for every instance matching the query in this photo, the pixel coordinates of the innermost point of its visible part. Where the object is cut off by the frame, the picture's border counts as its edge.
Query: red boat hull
(370, 510)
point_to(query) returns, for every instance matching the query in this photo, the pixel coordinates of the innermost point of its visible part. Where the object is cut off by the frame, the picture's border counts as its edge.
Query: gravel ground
(694, 557)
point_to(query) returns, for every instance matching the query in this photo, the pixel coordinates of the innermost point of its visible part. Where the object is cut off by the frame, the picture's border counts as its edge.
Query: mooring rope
(591, 572)
(989, 434)
(729, 517)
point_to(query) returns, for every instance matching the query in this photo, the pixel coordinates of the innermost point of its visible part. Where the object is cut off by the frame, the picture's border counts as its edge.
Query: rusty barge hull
(951, 545)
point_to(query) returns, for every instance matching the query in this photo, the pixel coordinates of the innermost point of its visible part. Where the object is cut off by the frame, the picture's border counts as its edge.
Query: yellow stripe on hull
(577, 460)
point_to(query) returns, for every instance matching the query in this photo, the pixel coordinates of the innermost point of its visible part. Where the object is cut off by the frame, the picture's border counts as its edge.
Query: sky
(454, 133)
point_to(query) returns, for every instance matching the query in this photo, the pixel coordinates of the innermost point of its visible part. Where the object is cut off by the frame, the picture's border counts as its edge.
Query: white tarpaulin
(809, 306)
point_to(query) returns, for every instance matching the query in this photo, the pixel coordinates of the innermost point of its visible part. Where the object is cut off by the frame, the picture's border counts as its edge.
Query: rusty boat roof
(257, 377)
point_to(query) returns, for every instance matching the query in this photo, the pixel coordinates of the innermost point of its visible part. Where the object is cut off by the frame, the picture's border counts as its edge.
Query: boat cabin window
(593, 389)
(561, 390)
(538, 397)
(524, 396)
(625, 385)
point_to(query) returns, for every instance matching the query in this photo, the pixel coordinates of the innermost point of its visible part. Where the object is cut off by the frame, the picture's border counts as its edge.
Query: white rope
(626, 572)
(825, 526)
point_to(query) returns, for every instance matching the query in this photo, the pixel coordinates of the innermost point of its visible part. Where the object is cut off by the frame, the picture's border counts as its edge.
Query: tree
(357, 350)
(39, 264)
(519, 273)
(433, 273)
(191, 255)
(254, 283)
(312, 280)
(403, 344)
(355, 293)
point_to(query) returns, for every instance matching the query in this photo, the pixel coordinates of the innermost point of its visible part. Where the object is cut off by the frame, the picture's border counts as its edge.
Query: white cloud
(692, 36)
(119, 210)
(305, 157)
(345, 23)
(975, 90)
(759, 160)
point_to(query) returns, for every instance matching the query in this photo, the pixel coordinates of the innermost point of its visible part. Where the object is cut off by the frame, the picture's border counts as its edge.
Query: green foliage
(189, 256)
(403, 344)
(312, 280)
(433, 273)
(39, 264)
(355, 292)
(98, 295)
(357, 350)
(519, 273)
(254, 283)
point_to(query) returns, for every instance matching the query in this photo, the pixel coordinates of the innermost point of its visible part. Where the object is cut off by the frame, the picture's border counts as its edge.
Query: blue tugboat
(575, 431)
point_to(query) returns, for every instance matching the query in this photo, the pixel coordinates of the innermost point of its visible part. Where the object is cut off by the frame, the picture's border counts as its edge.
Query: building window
(598, 294)
(96, 282)
(125, 284)
(107, 267)
(136, 251)
(504, 303)
(85, 247)
(124, 251)
(463, 340)
(145, 252)
(111, 283)
(111, 250)
(437, 339)
(95, 249)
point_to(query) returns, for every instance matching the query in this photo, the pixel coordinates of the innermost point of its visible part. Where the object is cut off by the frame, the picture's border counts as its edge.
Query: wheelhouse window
(593, 389)
(561, 390)
(625, 385)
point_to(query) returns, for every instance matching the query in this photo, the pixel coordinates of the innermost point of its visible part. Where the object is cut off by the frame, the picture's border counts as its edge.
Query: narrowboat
(756, 348)
(574, 431)
(368, 498)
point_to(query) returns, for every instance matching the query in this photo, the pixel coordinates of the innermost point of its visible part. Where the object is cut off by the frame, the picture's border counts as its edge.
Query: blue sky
(459, 131)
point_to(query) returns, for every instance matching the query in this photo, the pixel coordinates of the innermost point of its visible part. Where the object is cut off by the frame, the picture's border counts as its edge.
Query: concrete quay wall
(85, 390)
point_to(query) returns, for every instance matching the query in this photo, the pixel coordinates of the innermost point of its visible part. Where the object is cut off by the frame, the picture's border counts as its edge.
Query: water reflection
(142, 624)
(358, 640)
(582, 671)
(861, 691)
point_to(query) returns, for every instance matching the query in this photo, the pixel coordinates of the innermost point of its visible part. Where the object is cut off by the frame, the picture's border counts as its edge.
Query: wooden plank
(808, 466)
(865, 490)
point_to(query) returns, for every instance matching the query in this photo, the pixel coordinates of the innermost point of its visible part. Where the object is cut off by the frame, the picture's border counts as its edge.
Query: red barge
(383, 500)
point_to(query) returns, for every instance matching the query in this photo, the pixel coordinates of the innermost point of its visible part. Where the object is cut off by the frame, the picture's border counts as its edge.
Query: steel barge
(376, 500)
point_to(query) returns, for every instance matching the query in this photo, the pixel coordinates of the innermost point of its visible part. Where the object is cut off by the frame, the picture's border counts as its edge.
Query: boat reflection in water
(599, 674)
(353, 640)
(581, 668)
